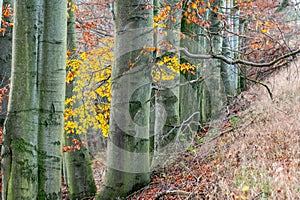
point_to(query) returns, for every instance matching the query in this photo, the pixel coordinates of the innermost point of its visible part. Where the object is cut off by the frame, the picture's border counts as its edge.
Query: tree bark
(230, 72)
(5, 59)
(189, 98)
(213, 95)
(79, 172)
(128, 160)
(1, 4)
(34, 126)
(167, 100)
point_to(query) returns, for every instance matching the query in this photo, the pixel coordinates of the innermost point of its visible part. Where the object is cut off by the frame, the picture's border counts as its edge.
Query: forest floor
(253, 153)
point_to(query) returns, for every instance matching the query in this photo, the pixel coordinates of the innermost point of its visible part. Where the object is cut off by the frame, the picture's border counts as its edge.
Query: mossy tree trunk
(34, 125)
(128, 160)
(79, 172)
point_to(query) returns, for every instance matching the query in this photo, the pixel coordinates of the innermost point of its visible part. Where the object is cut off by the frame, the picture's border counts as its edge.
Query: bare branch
(238, 61)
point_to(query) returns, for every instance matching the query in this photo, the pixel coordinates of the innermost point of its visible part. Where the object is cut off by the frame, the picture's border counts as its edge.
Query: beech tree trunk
(128, 160)
(213, 94)
(189, 97)
(79, 171)
(167, 100)
(5, 59)
(34, 125)
(230, 73)
(1, 4)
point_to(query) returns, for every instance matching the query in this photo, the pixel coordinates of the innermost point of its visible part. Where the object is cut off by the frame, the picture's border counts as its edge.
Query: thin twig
(171, 192)
(228, 131)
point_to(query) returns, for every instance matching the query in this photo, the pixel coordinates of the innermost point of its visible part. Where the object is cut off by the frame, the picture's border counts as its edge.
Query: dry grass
(259, 159)
(262, 160)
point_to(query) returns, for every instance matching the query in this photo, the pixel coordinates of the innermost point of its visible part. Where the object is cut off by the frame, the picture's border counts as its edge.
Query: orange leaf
(168, 7)
(216, 9)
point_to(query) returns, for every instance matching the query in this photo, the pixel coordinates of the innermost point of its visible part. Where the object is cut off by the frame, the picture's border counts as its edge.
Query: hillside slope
(254, 154)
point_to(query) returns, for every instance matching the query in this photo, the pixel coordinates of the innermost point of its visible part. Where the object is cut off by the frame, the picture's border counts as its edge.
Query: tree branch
(233, 62)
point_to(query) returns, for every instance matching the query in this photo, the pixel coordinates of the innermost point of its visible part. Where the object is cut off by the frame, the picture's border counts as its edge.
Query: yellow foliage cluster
(90, 73)
(73, 66)
(168, 67)
(89, 106)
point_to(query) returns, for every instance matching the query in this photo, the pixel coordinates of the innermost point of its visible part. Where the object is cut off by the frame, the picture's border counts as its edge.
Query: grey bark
(80, 178)
(213, 95)
(1, 4)
(189, 98)
(167, 100)
(128, 160)
(230, 72)
(34, 125)
(5, 60)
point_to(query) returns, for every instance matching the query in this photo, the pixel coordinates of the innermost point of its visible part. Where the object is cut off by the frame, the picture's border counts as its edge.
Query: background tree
(165, 76)
(5, 53)
(33, 130)
(79, 174)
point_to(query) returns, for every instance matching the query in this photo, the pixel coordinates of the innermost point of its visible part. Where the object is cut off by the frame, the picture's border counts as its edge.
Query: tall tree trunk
(213, 95)
(79, 172)
(34, 126)
(242, 83)
(1, 4)
(128, 160)
(5, 63)
(5, 59)
(167, 100)
(189, 98)
(230, 48)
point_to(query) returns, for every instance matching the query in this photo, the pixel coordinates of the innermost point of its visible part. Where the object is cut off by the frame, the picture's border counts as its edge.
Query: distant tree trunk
(80, 178)
(242, 83)
(213, 95)
(5, 63)
(34, 126)
(167, 100)
(5, 59)
(189, 98)
(128, 160)
(230, 48)
(153, 91)
(1, 4)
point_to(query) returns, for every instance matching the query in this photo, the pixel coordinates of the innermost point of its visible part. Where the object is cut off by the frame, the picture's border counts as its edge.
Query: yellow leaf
(194, 5)
(263, 30)
(245, 188)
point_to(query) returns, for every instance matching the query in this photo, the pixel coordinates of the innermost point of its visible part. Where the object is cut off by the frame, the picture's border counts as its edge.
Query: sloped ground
(255, 153)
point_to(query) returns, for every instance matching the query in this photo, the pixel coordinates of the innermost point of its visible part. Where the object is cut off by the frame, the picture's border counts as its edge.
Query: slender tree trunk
(167, 100)
(243, 69)
(34, 126)
(1, 4)
(5, 59)
(128, 160)
(189, 98)
(230, 48)
(213, 95)
(5, 63)
(80, 178)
